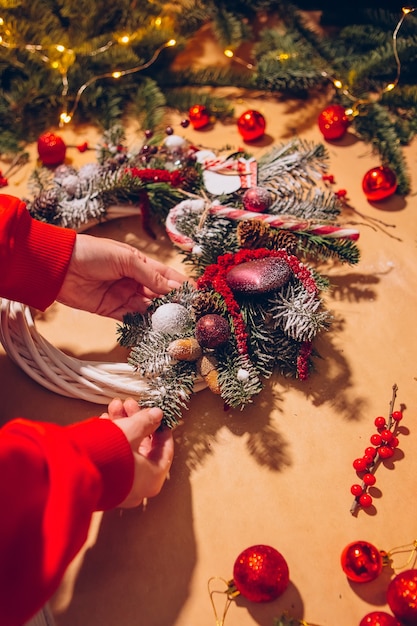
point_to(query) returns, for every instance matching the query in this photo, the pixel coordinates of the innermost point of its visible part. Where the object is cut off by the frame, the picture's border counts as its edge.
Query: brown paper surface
(280, 472)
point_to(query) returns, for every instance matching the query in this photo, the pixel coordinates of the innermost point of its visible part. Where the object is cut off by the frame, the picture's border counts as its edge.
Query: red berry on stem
(360, 465)
(397, 416)
(376, 440)
(356, 490)
(386, 435)
(394, 442)
(385, 452)
(380, 422)
(372, 452)
(369, 479)
(365, 500)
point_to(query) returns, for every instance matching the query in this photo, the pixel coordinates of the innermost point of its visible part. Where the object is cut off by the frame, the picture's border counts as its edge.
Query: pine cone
(44, 207)
(206, 302)
(283, 239)
(252, 234)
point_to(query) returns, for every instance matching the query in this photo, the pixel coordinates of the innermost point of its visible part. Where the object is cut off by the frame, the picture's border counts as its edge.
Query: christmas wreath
(249, 230)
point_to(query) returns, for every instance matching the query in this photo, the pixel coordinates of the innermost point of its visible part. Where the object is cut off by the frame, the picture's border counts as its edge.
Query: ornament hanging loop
(411, 549)
(230, 592)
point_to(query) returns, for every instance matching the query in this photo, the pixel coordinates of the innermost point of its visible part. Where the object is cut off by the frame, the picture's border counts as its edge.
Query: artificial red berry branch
(384, 443)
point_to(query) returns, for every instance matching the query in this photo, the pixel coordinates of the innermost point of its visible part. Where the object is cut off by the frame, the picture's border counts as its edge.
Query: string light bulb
(231, 55)
(61, 58)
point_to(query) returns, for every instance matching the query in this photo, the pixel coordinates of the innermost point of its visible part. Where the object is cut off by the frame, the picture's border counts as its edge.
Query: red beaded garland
(261, 573)
(361, 561)
(51, 149)
(333, 122)
(251, 125)
(199, 116)
(402, 597)
(379, 618)
(379, 183)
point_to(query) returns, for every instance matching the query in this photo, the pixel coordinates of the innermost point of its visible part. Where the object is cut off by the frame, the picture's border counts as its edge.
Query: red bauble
(258, 276)
(199, 116)
(251, 125)
(212, 330)
(257, 199)
(333, 122)
(379, 183)
(361, 561)
(379, 618)
(261, 573)
(402, 597)
(51, 149)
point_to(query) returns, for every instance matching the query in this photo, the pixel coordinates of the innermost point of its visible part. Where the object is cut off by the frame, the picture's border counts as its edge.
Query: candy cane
(176, 236)
(286, 222)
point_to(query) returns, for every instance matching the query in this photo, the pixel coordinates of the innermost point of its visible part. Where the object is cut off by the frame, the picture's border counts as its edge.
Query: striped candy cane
(285, 222)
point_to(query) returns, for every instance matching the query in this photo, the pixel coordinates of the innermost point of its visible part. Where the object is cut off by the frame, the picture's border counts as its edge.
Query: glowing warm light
(389, 87)
(158, 22)
(406, 10)
(171, 42)
(228, 53)
(65, 118)
(116, 74)
(60, 48)
(283, 56)
(1, 21)
(338, 84)
(125, 39)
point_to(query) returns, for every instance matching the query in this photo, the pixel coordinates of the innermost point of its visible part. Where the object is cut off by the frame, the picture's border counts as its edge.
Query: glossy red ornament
(402, 597)
(212, 330)
(261, 573)
(251, 125)
(199, 116)
(379, 183)
(379, 618)
(333, 122)
(361, 561)
(51, 149)
(257, 199)
(258, 276)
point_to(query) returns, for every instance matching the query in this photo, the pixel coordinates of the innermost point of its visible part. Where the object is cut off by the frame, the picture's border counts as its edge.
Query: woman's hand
(112, 278)
(153, 450)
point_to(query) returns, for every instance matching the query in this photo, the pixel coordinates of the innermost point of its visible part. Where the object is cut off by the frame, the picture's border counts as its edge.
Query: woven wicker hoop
(92, 381)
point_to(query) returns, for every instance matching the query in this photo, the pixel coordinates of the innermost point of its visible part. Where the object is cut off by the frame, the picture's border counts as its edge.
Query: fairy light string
(358, 104)
(61, 58)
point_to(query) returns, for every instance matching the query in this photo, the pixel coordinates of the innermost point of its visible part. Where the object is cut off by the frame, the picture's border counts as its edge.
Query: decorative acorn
(186, 349)
(207, 367)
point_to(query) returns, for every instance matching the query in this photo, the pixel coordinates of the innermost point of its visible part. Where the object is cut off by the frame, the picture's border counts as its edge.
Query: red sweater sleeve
(34, 256)
(53, 479)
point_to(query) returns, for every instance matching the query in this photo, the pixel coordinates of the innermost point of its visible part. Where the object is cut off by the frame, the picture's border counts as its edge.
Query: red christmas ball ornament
(333, 122)
(402, 597)
(379, 618)
(379, 183)
(51, 149)
(199, 116)
(212, 330)
(257, 199)
(361, 561)
(251, 125)
(261, 573)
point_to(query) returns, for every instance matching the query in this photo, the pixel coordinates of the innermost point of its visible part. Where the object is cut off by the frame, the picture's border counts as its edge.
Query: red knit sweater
(52, 477)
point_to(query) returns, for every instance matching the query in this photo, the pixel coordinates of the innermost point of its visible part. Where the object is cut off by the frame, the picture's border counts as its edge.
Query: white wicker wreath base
(93, 381)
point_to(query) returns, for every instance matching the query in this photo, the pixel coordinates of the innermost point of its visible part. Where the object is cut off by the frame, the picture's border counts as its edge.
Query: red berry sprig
(383, 445)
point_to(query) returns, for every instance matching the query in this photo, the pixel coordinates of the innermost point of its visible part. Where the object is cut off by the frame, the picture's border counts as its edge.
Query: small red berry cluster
(383, 445)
